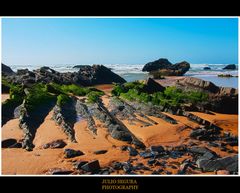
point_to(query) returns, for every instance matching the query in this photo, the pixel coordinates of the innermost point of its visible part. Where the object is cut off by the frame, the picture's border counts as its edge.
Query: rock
(59, 171)
(230, 67)
(124, 147)
(55, 144)
(70, 153)
(165, 68)
(226, 163)
(87, 76)
(121, 135)
(117, 165)
(98, 74)
(223, 172)
(92, 166)
(79, 164)
(152, 86)
(225, 75)
(132, 151)
(100, 152)
(10, 143)
(158, 149)
(127, 167)
(151, 161)
(148, 154)
(6, 70)
(206, 68)
(156, 65)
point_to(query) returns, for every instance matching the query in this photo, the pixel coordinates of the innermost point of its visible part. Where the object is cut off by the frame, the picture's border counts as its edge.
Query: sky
(34, 41)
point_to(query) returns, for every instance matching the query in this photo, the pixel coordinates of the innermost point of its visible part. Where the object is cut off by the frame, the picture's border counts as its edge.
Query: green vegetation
(124, 88)
(62, 99)
(170, 97)
(94, 96)
(76, 90)
(37, 95)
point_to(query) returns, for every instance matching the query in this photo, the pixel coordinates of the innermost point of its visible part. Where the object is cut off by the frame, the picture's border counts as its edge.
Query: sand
(5, 97)
(39, 161)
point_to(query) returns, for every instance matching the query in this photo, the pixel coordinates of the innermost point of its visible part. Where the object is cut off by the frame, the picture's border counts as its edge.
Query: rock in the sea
(100, 152)
(206, 68)
(226, 163)
(70, 153)
(166, 68)
(92, 166)
(230, 67)
(55, 144)
(6, 70)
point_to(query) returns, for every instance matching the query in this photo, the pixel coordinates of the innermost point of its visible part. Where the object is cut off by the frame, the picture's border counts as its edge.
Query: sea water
(132, 72)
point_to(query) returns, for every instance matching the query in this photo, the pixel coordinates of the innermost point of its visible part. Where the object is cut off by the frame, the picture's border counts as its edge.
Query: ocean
(132, 72)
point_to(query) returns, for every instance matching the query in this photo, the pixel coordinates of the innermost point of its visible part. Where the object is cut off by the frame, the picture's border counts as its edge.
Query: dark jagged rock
(6, 70)
(87, 76)
(82, 111)
(152, 86)
(158, 149)
(5, 88)
(115, 128)
(79, 164)
(230, 67)
(92, 166)
(132, 151)
(165, 68)
(98, 74)
(207, 134)
(127, 167)
(100, 152)
(55, 144)
(151, 161)
(148, 154)
(226, 163)
(206, 68)
(65, 117)
(71, 153)
(10, 143)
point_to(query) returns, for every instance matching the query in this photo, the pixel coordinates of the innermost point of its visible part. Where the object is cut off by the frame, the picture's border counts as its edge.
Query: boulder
(55, 144)
(79, 164)
(165, 68)
(10, 143)
(156, 65)
(6, 70)
(59, 171)
(71, 153)
(230, 67)
(92, 166)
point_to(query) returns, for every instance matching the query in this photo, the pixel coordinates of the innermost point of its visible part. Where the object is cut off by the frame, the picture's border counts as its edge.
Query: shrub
(62, 99)
(93, 96)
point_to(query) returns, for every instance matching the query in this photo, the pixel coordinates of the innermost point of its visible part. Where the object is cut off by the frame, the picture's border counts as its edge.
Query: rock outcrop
(6, 70)
(166, 68)
(219, 97)
(86, 76)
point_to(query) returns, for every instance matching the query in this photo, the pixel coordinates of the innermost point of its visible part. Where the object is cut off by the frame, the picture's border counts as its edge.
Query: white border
(129, 17)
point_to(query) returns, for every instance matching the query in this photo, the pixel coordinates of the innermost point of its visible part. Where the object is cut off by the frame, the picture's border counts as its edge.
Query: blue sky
(118, 40)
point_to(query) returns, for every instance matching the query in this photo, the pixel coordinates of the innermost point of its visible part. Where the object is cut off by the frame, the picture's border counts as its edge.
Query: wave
(125, 69)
